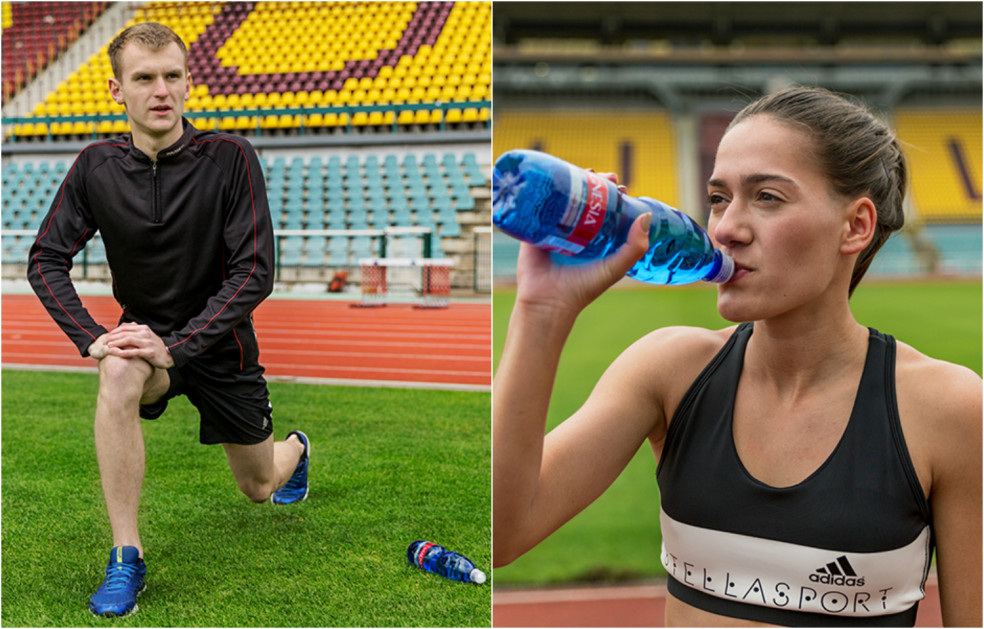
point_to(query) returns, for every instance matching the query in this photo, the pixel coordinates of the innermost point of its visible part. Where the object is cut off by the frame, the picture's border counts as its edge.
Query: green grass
(617, 538)
(388, 467)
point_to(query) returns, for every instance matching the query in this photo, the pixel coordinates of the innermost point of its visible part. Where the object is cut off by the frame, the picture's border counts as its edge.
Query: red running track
(306, 339)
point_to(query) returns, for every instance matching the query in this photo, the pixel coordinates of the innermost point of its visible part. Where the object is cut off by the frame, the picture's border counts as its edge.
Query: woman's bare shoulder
(934, 383)
(940, 404)
(667, 361)
(687, 343)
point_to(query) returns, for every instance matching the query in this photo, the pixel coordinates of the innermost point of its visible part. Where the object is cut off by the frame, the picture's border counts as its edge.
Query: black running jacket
(188, 239)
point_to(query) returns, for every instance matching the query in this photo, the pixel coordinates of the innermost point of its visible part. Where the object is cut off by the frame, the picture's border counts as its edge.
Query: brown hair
(859, 154)
(150, 35)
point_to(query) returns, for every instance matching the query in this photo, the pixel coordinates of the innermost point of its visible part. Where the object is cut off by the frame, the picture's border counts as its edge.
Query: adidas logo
(837, 572)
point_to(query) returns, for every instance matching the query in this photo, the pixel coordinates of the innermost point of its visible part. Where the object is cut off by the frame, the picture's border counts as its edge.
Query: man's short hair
(150, 35)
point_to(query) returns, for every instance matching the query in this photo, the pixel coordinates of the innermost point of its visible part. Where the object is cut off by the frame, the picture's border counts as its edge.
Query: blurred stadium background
(371, 119)
(646, 89)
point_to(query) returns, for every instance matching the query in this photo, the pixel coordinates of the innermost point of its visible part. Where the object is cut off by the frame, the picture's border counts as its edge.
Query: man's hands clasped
(132, 340)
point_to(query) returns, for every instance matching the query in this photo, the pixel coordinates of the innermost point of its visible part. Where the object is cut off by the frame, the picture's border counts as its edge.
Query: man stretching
(184, 218)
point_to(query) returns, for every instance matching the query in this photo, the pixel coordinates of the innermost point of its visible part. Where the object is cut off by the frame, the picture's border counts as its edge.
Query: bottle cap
(477, 576)
(726, 270)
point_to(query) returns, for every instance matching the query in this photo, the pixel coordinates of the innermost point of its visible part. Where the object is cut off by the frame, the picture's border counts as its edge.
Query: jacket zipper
(155, 194)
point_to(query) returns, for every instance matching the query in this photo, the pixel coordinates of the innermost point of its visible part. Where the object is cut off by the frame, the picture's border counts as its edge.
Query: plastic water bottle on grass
(439, 560)
(581, 216)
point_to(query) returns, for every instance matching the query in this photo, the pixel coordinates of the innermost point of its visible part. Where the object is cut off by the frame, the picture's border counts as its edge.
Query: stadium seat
(943, 149)
(370, 191)
(284, 57)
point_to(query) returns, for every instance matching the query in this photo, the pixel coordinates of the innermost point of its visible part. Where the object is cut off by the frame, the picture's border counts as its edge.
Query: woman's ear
(859, 228)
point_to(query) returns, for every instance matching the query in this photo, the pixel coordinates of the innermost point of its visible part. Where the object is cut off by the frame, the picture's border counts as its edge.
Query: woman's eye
(715, 199)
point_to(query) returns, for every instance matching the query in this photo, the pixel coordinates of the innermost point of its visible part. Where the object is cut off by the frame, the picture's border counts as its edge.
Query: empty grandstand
(372, 120)
(646, 90)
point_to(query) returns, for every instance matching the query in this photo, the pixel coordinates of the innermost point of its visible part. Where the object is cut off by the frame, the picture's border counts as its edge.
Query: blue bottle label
(585, 213)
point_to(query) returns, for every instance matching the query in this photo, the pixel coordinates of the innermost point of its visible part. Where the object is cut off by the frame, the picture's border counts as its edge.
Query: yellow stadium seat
(360, 119)
(454, 115)
(406, 117)
(943, 149)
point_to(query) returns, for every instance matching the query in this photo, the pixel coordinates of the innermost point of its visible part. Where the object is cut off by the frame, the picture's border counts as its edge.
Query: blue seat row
(315, 193)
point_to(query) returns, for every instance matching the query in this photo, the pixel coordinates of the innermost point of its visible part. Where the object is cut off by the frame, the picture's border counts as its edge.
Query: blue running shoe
(117, 596)
(296, 488)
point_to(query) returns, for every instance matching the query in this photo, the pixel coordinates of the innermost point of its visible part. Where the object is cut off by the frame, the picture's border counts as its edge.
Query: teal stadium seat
(314, 251)
(95, 251)
(473, 173)
(16, 248)
(361, 247)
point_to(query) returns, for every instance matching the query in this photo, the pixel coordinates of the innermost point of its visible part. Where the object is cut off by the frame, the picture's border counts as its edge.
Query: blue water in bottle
(580, 216)
(439, 560)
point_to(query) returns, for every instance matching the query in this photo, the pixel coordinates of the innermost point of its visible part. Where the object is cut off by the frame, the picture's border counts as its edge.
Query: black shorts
(234, 404)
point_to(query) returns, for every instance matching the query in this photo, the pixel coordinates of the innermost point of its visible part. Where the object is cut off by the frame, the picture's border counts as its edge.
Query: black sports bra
(850, 545)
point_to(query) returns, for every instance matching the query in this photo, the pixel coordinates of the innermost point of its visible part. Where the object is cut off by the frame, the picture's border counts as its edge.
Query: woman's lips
(740, 271)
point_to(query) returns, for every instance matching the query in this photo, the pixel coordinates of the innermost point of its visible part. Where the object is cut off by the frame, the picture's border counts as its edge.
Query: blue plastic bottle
(543, 200)
(447, 563)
